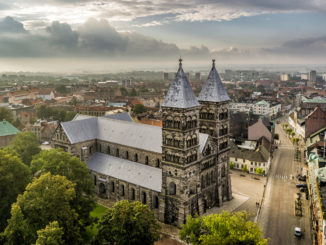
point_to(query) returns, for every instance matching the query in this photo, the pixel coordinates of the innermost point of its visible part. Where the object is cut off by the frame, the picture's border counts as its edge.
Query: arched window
(146, 160)
(156, 202)
(136, 157)
(157, 162)
(108, 150)
(117, 153)
(207, 179)
(127, 155)
(144, 198)
(122, 190)
(202, 182)
(172, 188)
(112, 186)
(132, 194)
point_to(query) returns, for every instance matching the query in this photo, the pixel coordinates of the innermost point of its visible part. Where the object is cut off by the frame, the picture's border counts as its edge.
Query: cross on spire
(180, 62)
(213, 60)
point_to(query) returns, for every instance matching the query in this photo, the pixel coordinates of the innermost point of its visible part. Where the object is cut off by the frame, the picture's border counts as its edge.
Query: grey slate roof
(129, 171)
(141, 136)
(213, 90)
(124, 116)
(180, 94)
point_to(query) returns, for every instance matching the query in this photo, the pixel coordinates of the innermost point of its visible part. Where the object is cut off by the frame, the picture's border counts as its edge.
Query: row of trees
(50, 113)
(259, 170)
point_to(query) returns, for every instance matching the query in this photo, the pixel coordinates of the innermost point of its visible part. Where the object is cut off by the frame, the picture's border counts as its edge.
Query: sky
(116, 35)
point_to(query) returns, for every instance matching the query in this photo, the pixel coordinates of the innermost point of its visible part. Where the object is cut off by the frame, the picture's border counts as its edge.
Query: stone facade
(194, 158)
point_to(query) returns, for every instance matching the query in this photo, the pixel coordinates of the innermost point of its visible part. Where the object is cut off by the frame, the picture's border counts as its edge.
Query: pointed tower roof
(180, 94)
(213, 90)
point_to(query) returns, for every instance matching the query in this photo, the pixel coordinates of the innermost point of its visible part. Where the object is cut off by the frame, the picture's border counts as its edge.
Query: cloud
(92, 39)
(130, 10)
(9, 25)
(303, 47)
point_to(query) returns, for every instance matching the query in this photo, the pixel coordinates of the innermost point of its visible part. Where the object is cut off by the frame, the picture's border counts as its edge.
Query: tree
(26, 145)
(62, 89)
(231, 165)
(245, 169)
(5, 114)
(69, 116)
(133, 92)
(57, 161)
(50, 235)
(73, 101)
(223, 229)
(128, 223)
(276, 136)
(139, 108)
(123, 91)
(259, 171)
(14, 177)
(46, 199)
(44, 112)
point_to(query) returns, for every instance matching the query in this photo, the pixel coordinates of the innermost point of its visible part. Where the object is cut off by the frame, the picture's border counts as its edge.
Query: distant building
(259, 130)
(284, 77)
(166, 76)
(312, 76)
(126, 82)
(260, 108)
(7, 133)
(304, 76)
(197, 76)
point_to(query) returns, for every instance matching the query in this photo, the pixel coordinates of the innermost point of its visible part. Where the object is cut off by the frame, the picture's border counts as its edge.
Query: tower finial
(180, 62)
(213, 60)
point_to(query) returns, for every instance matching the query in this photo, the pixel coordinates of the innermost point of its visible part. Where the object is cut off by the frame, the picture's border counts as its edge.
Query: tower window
(157, 162)
(132, 194)
(136, 157)
(117, 153)
(172, 188)
(108, 150)
(146, 160)
(127, 155)
(144, 197)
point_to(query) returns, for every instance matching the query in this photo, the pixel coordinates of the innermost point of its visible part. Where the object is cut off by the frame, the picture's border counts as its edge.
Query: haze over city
(91, 36)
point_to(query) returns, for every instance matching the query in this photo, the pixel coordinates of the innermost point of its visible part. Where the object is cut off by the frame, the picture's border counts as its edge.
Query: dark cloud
(304, 47)
(62, 36)
(9, 25)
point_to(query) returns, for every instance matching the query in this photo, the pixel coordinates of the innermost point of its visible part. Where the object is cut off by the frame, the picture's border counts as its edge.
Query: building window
(127, 155)
(136, 157)
(146, 160)
(144, 197)
(172, 188)
(112, 187)
(122, 190)
(132, 194)
(157, 162)
(108, 150)
(117, 153)
(156, 203)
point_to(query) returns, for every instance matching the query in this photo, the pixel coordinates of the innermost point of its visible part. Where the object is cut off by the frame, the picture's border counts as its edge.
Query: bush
(245, 169)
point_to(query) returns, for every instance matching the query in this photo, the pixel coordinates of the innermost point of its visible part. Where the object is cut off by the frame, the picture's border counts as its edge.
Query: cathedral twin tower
(195, 147)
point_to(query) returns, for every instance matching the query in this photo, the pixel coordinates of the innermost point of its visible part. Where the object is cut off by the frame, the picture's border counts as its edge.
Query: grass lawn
(97, 212)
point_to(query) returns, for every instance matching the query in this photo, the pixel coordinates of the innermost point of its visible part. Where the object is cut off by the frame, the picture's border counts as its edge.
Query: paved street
(277, 217)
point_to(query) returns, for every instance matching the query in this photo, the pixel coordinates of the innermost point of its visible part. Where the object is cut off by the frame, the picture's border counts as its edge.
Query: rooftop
(129, 171)
(136, 135)
(213, 90)
(180, 94)
(6, 128)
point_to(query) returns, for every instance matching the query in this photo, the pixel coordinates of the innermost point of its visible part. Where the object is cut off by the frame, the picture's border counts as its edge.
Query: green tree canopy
(222, 229)
(14, 177)
(128, 223)
(46, 199)
(5, 114)
(244, 168)
(50, 235)
(139, 108)
(260, 171)
(26, 145)
(57, 161)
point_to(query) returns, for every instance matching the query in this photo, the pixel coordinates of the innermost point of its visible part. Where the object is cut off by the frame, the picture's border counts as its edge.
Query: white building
(260, 108)
(284, 77)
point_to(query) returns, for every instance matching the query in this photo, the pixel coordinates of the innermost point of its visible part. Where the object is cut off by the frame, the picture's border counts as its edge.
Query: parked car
(301, 185)
(297, 232)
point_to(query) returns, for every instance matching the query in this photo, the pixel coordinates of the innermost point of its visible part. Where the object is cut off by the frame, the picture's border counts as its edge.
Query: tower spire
(213, 63)
(180, 62)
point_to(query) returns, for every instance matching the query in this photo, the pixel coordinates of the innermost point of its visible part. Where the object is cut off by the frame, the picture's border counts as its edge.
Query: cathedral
(177, 170)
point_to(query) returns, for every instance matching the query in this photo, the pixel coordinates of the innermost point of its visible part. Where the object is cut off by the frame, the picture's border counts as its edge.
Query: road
(277, 217)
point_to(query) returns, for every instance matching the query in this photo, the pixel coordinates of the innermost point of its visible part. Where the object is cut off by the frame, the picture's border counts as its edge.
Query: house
(259, 130)
(7, 133)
